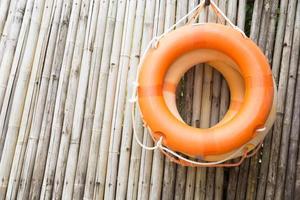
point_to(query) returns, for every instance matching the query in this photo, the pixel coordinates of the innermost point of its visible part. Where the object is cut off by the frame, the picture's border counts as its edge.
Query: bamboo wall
(66, 72)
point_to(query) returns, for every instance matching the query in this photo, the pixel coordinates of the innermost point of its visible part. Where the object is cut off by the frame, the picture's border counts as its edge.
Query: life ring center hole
(202, 96)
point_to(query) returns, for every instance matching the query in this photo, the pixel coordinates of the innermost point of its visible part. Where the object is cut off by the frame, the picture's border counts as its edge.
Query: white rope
(154, 43)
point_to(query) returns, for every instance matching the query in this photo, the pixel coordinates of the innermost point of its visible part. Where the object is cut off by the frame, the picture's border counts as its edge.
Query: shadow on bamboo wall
(66, 73)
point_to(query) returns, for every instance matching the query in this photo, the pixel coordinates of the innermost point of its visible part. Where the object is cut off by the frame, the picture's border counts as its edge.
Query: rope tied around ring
(172, 155)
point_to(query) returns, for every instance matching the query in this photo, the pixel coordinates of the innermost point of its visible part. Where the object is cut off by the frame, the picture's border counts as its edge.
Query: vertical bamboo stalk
(197, 91)
(213, 115)
(80, 100)
(70, 101)
(279, 39)
(99, 107)
(110, 66)
(4, 7)
(116, 130)
(124, 178)
(265, 28)
(56, 127)
(158, 157)
(282, 90)
(6, 28)
(9, 63)
(137, 157)
(18, 101)
(169, 167)
(181, 10)
(219, 177)
(270, 38)
(33, 188)
(85, 141)
(145, 162)
(289, 191)
(286, 78)
(30, 153)
(32, 93)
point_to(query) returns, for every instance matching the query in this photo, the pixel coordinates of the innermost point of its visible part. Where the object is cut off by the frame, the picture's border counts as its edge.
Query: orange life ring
(223, 138)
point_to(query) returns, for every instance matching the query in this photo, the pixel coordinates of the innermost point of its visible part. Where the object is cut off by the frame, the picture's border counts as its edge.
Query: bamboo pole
(169, 167)
(38, 164)
(180, 176)
(31, 95)
(282, 91)
(197, 91)
(85, 141)
(123, 178)
(6, 28)
(110, 65)
(279, 40)
(70, 101)
(4, 8)
(158, 158)
(235, 173)
(116, 130)
(289, 191)
(30, 153)
(138, 158)
(56, 127)
(250, 168)
(219, 176)
(99, 107)
(11, 56)
(270, 39)
(286, 76)
(144, 163)
(214, 110)
(92, 16)
(17, 104)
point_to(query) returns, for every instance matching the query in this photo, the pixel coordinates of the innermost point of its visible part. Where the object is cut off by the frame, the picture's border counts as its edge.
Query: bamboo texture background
(66, 72)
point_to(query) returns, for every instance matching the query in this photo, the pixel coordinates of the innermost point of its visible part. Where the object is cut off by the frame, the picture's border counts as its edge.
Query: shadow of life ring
(243, 118)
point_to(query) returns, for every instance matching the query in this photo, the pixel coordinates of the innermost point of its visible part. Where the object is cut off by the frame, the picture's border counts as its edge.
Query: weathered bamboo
(259, 33)
(70, 101)
(31, 147)
(233, 186)
(4, 8)
(124, 162)
(282, 89)
(158, 158)
(180, 177)
(139, 158)
(80, 99)
(110, 66)
(169, 167)
(56, 127)
(214, 110)
(286, 81)
(99, 107)
(219, 176)
(116, 130)
(289, 190)
(6, 28)
(30, 99)
(11, 57)
(17, 104)
(90, 102)
(270, 39)
(33, 188)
